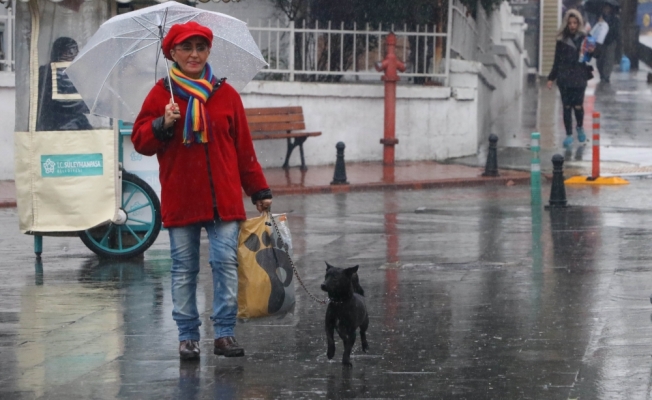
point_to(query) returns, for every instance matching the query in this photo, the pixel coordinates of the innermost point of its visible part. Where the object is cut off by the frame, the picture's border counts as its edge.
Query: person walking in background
(206, 157)
(571, 73)
(607, 51)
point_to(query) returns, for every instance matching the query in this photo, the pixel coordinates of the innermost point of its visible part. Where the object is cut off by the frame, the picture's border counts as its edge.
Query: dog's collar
(331, 301)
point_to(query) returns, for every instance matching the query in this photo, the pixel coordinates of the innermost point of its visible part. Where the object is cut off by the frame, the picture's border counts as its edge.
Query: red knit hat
(180, 32)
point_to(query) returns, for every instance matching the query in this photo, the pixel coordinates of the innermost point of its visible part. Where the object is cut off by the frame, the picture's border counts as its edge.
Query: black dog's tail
(356, 284)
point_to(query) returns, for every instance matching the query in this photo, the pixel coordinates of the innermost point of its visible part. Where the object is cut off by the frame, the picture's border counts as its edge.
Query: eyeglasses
(188, 48)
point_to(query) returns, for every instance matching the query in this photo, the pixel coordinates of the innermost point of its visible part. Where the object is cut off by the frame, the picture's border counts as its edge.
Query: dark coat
(194, 178)
(613, 36)
(567, 69)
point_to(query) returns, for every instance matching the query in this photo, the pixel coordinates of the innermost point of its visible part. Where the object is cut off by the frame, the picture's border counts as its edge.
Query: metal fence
(471, 37)
(7, 33)
(346, 52)
(349, 52)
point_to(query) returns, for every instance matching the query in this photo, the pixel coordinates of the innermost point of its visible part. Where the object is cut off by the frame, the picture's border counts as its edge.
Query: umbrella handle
(167, 68)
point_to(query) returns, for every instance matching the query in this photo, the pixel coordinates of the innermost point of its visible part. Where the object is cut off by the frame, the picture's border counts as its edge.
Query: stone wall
(432, 123)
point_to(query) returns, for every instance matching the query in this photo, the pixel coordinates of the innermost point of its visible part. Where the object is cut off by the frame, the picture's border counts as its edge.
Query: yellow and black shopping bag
(265, 284)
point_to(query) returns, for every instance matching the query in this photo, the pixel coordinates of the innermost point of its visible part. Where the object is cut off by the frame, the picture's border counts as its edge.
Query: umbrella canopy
(595, 6)
(117, 68)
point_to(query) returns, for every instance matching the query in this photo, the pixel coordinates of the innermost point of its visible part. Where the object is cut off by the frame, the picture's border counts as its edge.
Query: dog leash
(287, 251)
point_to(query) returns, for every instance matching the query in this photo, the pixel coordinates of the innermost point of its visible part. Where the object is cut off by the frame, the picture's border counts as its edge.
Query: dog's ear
(328, 266)
(351, 271)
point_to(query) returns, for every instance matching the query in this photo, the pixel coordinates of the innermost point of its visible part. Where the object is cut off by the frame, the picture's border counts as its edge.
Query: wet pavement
(625, 132)
(472, 294)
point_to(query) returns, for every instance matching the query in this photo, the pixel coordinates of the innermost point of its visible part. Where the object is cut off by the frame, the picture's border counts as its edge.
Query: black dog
(346, 311)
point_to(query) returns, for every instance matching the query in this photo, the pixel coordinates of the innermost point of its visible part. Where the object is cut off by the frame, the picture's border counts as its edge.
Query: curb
(7, 204)
(517, 179)
(409, 185)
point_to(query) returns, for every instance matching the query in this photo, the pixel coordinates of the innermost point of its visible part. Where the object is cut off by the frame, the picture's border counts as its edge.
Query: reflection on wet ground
(625, 126)
(477, 295)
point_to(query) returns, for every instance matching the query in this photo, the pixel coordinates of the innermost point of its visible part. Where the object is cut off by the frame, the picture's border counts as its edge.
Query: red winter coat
(186, 193)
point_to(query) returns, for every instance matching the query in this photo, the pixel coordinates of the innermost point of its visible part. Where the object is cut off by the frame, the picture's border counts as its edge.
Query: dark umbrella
(595, 6)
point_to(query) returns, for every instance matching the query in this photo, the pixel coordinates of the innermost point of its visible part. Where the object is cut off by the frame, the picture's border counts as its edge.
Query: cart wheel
(137, 228)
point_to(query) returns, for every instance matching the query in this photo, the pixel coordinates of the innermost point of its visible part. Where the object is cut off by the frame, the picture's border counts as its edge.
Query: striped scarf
(196, 92)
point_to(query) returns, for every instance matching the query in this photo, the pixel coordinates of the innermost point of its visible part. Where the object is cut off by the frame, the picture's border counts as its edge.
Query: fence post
(449, 27)
(9, 40)
(291, 58)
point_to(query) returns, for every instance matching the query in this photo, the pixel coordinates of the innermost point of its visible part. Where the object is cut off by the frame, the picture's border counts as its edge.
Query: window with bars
(7, 40)
(2, 46)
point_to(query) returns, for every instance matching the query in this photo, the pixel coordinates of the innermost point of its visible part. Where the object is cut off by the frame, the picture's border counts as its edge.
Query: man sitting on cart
(60, 107)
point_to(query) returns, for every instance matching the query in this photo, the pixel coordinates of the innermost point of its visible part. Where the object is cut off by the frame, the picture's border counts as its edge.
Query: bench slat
(273, 111)
(277, 126)
(257, 119)
(280, 123)
(262, 136)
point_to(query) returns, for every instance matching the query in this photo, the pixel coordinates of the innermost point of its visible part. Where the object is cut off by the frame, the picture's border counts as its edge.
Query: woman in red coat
(206, 157)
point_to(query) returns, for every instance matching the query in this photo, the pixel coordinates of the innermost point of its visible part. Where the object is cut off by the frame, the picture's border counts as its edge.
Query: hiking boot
(189, 349)
(568, 142)
(580, 134)
(228, 347)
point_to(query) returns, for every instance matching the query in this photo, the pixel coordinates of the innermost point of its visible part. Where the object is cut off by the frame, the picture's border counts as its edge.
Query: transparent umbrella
(116, 69)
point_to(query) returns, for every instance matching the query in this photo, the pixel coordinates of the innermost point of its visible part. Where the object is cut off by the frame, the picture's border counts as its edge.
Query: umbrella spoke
(125, 55)
(184, 18)
(136, 38)
(154, 26)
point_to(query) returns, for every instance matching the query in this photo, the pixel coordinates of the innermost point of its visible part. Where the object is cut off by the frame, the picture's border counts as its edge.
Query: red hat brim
(181, 32)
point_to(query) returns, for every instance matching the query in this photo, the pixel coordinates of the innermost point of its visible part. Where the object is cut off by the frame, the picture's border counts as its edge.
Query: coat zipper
(216, 214)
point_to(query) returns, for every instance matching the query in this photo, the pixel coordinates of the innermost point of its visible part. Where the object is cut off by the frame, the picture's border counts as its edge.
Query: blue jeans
(223, 258)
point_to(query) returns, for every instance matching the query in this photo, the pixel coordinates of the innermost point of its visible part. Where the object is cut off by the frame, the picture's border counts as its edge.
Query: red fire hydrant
(391, 64)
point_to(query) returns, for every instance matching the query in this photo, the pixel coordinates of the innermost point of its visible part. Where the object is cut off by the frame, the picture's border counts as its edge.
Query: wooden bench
(280, 123)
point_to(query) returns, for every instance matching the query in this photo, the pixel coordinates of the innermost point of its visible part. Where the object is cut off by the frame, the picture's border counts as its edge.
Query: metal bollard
(491, 168)
(535, 169)
(558, 190)
(339, 177)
